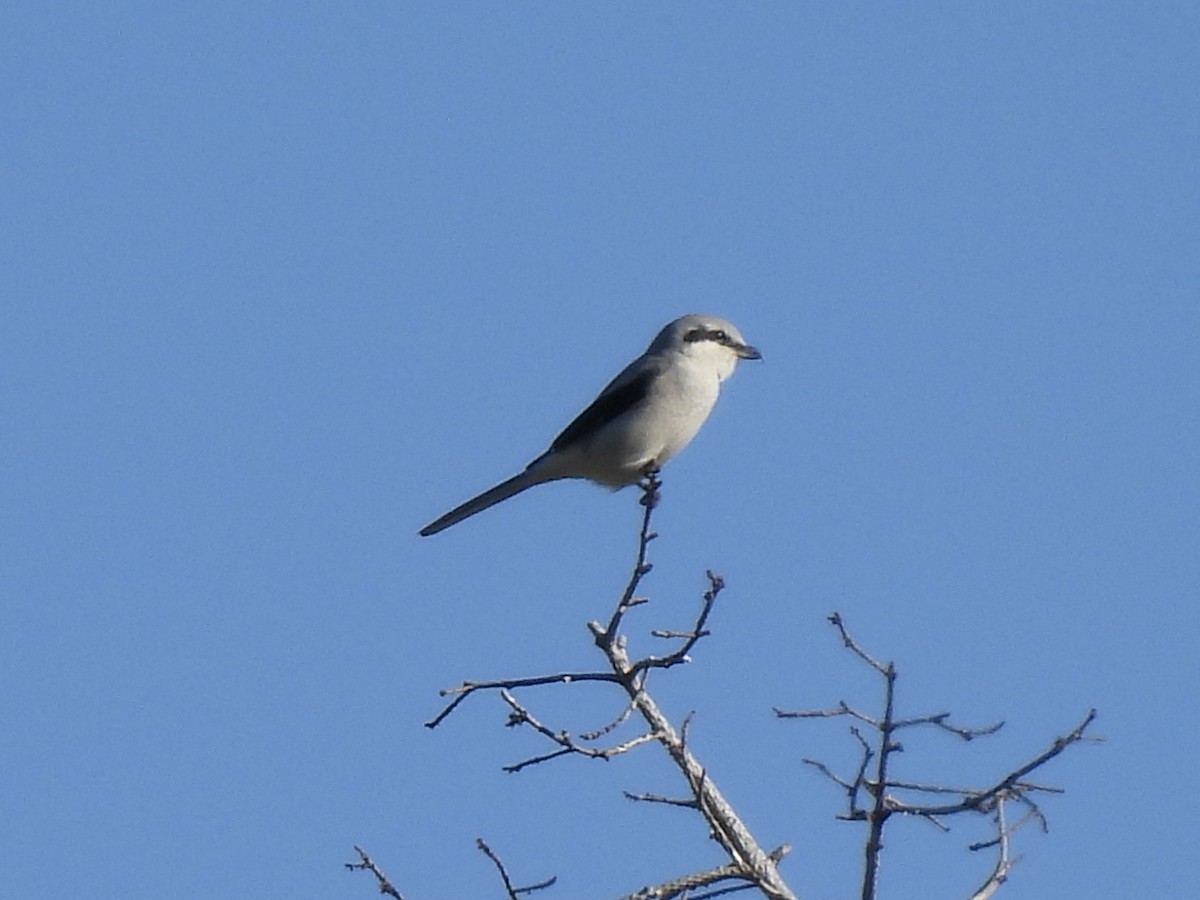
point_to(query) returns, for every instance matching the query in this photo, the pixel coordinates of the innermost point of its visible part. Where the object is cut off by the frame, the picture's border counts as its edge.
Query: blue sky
(283, 283)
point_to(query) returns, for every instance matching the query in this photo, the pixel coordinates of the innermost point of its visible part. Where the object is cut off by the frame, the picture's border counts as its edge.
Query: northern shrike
(646, 415)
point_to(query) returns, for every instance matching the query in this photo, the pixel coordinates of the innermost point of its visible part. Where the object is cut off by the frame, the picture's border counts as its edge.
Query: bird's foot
(650, 484)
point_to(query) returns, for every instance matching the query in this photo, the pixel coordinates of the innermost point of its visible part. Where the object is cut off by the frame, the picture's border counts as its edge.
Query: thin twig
(687, 802)
(367, 864)
(514, 893)
(715, 585)
(842, 709)
(1008, 784)
(522, 716)
(1004, 862)
(467, 688)
(836, 619)
(881, 810)
(939, 721)
(650, 486)
(828, 773)
(610, 727)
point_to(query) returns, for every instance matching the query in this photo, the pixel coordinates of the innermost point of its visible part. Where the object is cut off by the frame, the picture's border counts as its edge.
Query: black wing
(619, 397)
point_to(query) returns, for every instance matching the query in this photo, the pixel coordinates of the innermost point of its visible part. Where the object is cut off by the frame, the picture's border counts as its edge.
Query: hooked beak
(745, 351)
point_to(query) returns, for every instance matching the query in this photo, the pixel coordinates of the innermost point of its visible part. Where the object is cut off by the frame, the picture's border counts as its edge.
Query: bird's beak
(745, 351)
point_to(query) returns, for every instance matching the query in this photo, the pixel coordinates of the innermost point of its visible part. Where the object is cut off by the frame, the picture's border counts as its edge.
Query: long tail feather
(491, 497)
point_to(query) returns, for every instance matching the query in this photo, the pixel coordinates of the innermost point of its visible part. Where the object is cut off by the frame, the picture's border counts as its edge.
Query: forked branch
(748, 862)
(882, 788)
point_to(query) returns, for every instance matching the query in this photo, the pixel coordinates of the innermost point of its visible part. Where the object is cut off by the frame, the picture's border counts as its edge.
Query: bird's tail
(490, 497)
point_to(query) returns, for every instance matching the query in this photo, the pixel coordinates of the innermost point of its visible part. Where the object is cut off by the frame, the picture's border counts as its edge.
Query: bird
(643, 418)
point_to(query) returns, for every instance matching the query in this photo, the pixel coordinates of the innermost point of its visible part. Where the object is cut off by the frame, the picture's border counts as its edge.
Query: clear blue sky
(283, 282)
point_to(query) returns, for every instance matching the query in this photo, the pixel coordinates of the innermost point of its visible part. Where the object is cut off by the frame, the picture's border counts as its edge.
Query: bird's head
(706, 338)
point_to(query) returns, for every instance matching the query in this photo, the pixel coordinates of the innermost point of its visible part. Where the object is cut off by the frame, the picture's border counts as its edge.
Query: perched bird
(646, 415)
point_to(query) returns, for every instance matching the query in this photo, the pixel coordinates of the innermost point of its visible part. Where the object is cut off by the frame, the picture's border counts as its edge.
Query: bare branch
(828, 773)
(836, 619)
(522, 716)
(842, 709)
(939, 721)
(1004, 862)
(810, 713)
(650, 486)
(610, 727)
(1033, 812)
(748, 862)
(535, 760)
(1009, 785)
(881, 810)
(688, 802)
(1012, 787)
(751, 861)
(365, 863)
(514, 893)
(467, 688)
(1021, 786)
(726, 827)
(680, 887)
(690, 638)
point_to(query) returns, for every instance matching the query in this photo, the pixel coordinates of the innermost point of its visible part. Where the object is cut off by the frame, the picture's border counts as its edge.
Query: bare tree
(885, 796)
(873, 796)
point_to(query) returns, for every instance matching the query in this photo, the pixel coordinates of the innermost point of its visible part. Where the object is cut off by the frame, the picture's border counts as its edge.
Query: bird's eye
(719, 335)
